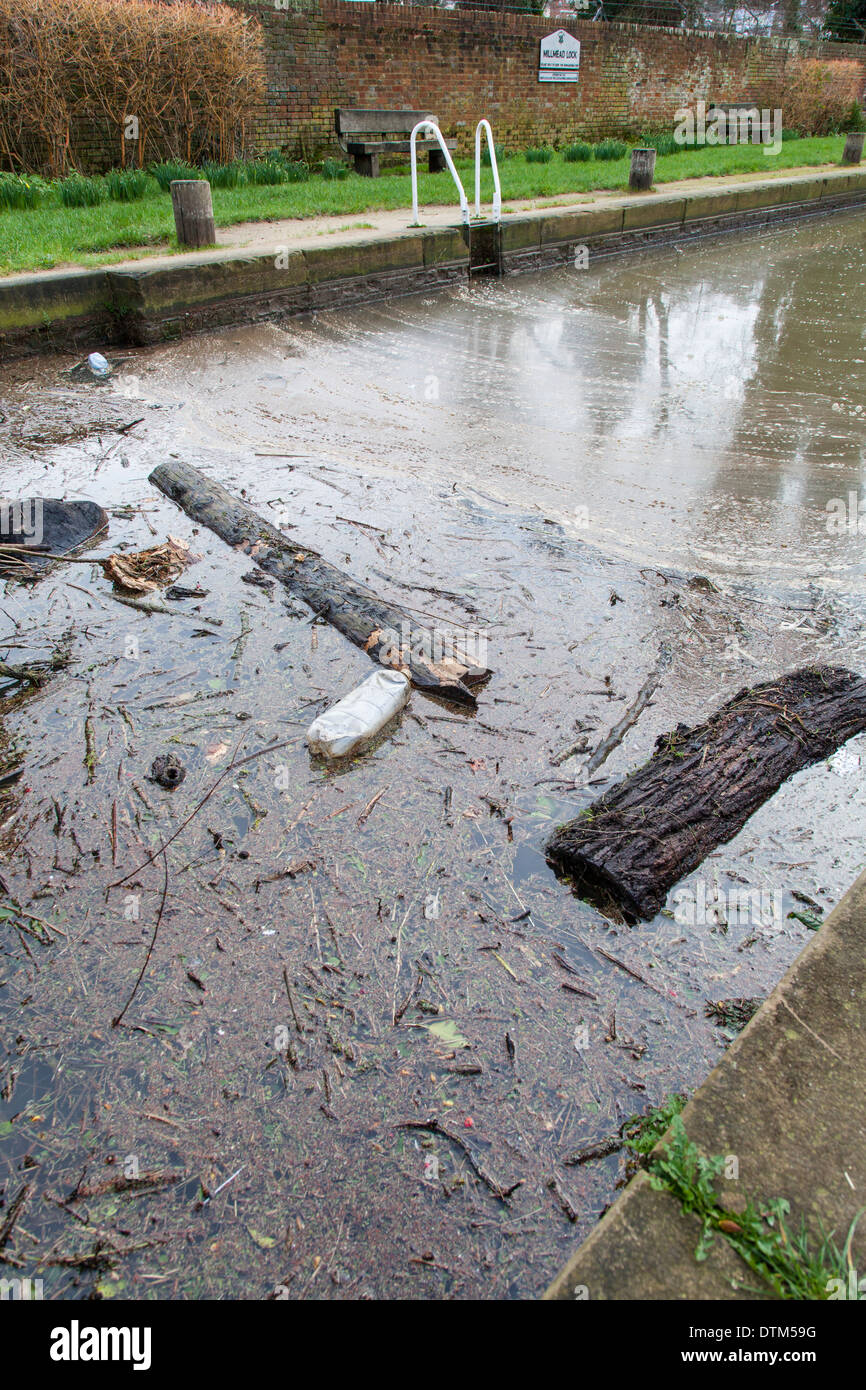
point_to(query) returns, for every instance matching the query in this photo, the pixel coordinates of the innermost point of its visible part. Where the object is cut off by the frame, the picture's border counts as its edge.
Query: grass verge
(51, 234)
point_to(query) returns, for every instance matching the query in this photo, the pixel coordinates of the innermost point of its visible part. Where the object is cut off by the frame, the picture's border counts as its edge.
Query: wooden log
(193, 212)
(853, 150)
(702, 784)
(643, 167)
(386, 632)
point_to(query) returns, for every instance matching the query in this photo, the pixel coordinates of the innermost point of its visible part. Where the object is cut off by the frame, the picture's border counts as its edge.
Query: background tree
(672, 14)
(846, 21)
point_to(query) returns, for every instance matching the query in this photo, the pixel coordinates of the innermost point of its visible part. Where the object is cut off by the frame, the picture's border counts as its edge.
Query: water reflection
(698, 406)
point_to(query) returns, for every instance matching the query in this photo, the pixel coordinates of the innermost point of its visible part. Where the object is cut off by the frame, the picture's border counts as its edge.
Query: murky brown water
(683, 412)
(636, 401)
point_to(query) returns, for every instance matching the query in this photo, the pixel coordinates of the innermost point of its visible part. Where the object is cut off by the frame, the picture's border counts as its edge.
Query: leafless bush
(814, 97)
(176, 79)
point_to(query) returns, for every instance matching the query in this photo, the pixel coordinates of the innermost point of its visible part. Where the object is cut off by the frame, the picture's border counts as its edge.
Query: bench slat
(394, 146)
(353, 121)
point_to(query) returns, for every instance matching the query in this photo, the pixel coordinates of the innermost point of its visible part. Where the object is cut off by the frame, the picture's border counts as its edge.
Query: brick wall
(464, 64)
(467, 64)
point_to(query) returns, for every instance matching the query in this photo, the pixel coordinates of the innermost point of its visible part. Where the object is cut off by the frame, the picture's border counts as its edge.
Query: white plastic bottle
(98, 365)
(359, 715)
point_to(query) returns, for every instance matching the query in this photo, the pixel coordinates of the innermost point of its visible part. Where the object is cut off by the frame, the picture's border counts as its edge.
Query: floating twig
(435, 1127)
(564, 1200)
(583, 987)
(291, 1001)
(210, 1195)
(600, 1150)
(229, 768)
(370, 804)
(120, 1183)
(16, 1207)
(118, 1019)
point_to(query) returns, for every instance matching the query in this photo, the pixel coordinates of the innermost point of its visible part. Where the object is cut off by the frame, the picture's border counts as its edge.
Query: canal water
(581, 465)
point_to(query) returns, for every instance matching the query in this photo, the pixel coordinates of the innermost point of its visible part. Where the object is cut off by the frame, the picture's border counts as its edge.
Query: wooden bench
(365, 135)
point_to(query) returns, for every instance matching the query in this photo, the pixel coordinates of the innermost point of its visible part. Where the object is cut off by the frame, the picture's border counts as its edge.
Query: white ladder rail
(432, 126)
(497, 191)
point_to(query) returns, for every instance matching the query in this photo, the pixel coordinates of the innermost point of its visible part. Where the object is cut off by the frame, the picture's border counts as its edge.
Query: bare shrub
(178, 80)
(814, 97)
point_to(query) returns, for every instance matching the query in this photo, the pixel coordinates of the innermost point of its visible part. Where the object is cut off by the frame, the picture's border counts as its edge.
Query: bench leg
(435, 161)
(368, 165)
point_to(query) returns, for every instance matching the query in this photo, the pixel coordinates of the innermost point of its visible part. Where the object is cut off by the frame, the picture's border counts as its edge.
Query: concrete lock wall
(464, 64)
(162, 299)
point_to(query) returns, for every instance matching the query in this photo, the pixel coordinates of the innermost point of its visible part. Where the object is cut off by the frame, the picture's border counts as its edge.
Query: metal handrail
(431, 125)
(497, 191)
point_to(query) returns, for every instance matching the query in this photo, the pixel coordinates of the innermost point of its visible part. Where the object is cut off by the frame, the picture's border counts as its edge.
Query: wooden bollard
(853, 146)
(643, 166)
(193, 212)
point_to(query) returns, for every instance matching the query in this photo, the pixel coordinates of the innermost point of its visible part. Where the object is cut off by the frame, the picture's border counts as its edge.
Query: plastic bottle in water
(360, 715)
(98, 365)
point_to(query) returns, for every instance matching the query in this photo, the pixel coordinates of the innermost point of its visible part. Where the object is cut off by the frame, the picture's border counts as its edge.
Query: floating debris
(167, 770)
(359, 716)
(98, 365)
(142, 571)
(732, 1013)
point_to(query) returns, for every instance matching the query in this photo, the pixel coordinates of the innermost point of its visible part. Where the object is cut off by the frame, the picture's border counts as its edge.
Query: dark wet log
(387, 633)
(702, 784)
(193, 212)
